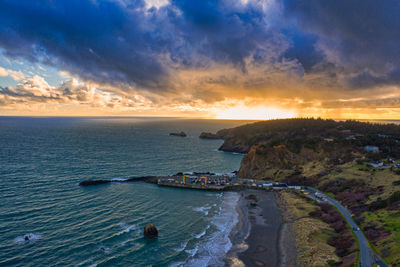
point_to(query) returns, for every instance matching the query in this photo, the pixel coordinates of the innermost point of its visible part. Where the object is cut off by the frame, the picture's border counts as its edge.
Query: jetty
(200, 181)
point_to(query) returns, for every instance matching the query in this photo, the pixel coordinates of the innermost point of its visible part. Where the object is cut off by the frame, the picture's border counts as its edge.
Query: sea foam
(212, 251)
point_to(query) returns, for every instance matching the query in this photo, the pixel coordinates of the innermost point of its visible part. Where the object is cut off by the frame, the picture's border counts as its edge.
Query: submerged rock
(150, 230)
(181, 134)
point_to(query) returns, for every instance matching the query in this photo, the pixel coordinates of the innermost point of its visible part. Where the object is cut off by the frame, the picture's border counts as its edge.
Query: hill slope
(356, 162)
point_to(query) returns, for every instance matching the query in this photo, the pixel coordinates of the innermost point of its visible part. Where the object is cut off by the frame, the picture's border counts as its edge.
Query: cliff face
(234, 144)
(262, 159)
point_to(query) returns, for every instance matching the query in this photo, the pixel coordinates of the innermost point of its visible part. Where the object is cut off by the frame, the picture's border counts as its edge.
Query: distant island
(181, 134)
(357, 163)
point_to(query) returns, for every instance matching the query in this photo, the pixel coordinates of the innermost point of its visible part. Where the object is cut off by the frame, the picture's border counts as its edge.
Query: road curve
(367, 256)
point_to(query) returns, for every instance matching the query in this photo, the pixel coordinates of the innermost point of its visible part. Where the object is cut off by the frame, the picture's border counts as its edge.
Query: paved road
(367, 256)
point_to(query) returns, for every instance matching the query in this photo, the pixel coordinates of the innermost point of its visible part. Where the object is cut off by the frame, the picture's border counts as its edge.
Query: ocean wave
(202, 233)
(212, 251)
(127, 228)
(88, 262)
(203, 209)
(31, 238)
(182, 247)
(193, 251)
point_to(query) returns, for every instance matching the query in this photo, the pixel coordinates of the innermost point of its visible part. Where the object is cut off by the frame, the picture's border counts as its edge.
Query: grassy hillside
(313, 234)
(332, 156)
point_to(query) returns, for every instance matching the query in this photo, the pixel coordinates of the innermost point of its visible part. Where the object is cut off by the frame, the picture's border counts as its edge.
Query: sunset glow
(254, 113)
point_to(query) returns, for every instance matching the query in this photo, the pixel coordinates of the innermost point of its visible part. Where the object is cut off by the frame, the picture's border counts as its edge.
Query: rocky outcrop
(150, 231)
(180, 134)
(235, 145)
(221, 134)
(232, 142)
(205, 135)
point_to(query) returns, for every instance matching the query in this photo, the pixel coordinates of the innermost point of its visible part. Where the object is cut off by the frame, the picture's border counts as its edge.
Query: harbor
(202, 181)
(219, 182)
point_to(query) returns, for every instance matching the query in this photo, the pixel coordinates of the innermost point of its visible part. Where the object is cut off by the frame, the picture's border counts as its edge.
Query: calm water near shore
(44, 159)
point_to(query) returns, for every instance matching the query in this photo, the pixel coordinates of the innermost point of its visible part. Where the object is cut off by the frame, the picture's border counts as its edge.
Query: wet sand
(261, 237)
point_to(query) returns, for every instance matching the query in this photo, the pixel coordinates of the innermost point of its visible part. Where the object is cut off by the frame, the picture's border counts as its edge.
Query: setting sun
(254, 113)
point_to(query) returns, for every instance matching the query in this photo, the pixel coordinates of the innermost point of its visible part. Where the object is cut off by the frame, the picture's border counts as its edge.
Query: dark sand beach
(261, 237)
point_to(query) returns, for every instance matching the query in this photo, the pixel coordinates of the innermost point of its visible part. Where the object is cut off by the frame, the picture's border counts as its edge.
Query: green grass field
(388, 248)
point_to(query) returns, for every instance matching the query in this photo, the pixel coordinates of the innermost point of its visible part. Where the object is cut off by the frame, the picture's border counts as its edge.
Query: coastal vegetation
(313, 233)
(355, 162)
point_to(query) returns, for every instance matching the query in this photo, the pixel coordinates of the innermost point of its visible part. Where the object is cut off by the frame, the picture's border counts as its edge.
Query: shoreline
(239, 234)
(262, 237)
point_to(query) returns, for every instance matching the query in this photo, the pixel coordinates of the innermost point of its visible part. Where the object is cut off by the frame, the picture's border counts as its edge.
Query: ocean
(42, 160)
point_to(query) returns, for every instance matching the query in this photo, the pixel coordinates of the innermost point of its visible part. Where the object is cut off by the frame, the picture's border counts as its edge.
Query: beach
(261, 237)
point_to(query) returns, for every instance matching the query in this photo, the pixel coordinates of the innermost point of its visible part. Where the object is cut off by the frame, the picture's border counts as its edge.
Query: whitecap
(203, 209)
(193, 251)
(182, 247)
(127, 228)
(202, 233)
(212, 251)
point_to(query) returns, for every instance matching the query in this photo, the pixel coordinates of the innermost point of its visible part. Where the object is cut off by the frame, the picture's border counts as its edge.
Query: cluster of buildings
(388, 163)
(200, 179)
(275, 185)
(214, 181)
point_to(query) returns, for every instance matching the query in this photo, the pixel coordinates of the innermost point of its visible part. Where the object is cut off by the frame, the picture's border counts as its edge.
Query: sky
(229, 59)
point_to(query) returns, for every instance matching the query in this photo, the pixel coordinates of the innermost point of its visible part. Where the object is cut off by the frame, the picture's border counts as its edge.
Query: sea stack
(181, 134)
(150, 230)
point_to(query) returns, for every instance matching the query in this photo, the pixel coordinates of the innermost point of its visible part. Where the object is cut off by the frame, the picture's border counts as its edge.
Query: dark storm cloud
(355, 43)
(124, 42)
(99, 40)
(361, 36)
